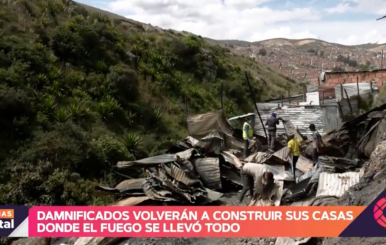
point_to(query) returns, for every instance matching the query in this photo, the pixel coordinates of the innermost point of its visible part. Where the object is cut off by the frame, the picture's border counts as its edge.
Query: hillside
(304, 59)
(81, 90)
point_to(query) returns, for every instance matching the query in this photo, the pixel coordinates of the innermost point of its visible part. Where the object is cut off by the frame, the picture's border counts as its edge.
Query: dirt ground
(229, 199)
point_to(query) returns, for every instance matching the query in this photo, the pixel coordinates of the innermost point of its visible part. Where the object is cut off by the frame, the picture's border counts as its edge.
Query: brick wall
(332, 79)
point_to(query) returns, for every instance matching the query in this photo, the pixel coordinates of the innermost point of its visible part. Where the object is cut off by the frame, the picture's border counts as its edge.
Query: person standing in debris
(247, 136)
(317, 143)
(272, 122)
(257, 180)
(294, 146)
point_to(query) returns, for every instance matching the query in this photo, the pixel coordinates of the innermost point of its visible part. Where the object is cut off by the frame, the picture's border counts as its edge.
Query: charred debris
(201, 168)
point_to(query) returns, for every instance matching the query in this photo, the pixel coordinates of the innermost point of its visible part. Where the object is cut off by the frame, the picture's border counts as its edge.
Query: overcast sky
(342, 21)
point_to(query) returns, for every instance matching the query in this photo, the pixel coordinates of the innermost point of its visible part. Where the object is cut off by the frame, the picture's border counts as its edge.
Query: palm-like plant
(107, 107)
(48, 104)
(132, 142)
(78, 108)
(62, 115)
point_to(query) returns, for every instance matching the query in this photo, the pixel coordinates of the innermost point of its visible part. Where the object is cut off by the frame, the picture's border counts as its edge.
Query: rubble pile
(205, 165)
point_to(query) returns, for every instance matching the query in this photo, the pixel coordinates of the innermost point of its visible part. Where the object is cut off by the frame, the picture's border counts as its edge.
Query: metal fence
(330, 117)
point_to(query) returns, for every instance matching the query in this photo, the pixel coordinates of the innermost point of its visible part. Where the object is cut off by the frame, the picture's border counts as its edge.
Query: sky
(348, 22)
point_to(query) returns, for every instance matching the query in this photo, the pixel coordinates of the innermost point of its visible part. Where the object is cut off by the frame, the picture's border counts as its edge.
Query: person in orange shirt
(294, 145)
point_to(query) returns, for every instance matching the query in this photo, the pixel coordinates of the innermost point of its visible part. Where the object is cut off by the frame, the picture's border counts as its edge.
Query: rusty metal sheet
(291, 241)
(201, 125)
(192, 141)
(134, 184)
(304, 164)
(263, 157)
(331, 184)
(185, 155)
(147, 162)
(282, 153)
(178, 174)
(279, 172)
(232, 159)
(209, 170)
(132, 187)
(231, 175)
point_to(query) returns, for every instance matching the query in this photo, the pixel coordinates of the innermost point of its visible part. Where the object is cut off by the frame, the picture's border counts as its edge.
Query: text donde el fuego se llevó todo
(170, 221)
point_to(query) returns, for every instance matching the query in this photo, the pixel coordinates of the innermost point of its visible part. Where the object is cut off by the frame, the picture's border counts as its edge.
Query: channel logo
(379, 208)
(7, 218)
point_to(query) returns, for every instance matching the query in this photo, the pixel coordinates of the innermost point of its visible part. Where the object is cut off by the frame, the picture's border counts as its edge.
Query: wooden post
(341, 90)
(358, 95)
(371, 90)
(304, 93)
(255, 104)
(348, 101)
(323, 97)
(289, 97)
(282, 100)
(340, 111)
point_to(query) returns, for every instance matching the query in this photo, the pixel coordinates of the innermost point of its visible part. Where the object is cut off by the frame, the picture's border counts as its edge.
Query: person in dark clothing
(317, 143)
(271, 123)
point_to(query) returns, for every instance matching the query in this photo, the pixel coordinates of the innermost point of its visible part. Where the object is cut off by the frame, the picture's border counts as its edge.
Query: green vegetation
(81, 90)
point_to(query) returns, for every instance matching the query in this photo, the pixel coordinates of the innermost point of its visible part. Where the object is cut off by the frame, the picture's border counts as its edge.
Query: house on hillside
(331, 78)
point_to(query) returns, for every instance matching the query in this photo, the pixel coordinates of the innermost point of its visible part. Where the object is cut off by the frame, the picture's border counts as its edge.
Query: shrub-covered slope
(80, 90)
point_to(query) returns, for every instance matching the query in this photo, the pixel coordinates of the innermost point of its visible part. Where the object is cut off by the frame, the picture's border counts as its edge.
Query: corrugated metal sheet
(312, 88)
(346, 106)
(201, 125)
(303, 164)
(330, 118)
(231, 176)
(148, 162)
(266, 106)
(130, 184)
(209, 171)
(331, 184)
(352, 90)
(279, 173)
(301, 117)
(186, 154)
(232, 159)
(178, 174)
(264, 157)
(286, 101)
